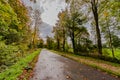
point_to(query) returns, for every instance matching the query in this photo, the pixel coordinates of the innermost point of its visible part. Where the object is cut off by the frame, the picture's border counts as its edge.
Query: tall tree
(57, 35)
(94, 4)
(37, 21)
(107, 29)
(74, 22)
(109, 22)
(62, 17)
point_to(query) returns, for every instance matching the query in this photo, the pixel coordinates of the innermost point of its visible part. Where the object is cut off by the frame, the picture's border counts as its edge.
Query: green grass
(70, 50)
(14, 71)
(109, 67)
(108, 52)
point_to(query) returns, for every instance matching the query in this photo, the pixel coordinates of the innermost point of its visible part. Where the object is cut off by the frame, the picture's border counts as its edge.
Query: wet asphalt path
(51, 66)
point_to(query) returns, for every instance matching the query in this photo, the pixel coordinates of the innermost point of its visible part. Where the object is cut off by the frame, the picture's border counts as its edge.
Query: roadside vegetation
(17, 39)
(90, 33)
(107, 52)
(87, 29)
(16, 70)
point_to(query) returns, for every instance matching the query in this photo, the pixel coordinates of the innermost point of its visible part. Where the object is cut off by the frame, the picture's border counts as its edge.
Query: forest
(85, 28)
(92, 27)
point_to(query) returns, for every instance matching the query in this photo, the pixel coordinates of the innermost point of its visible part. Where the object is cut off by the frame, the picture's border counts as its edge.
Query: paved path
(51, 66)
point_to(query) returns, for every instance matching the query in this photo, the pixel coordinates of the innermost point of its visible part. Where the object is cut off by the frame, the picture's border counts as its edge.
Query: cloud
(51, 10)
(46, 30)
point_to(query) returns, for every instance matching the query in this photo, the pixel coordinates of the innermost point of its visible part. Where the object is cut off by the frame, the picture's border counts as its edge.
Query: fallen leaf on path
(67, 77)
(85, 78)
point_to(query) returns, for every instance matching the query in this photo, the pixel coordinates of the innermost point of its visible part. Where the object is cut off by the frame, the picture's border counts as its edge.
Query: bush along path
(16, 70)
(51, 66)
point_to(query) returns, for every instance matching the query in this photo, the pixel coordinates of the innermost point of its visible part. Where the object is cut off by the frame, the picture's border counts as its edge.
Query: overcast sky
(51, 8)
(49, 14)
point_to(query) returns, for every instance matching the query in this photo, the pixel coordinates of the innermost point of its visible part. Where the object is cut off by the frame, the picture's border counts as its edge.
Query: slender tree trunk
(34, 37)
(73, 37)
(64, 44)
(110, 38)
(95, 13)
(63, 39)
(58, 43)
(73, 44)
(110, 43)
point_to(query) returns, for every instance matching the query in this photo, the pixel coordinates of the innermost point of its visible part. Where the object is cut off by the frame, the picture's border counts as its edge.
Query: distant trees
(57, 37)
(50, 43)
(40, 43)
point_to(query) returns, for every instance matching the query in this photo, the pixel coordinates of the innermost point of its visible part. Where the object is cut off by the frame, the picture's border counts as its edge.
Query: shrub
(14, 71)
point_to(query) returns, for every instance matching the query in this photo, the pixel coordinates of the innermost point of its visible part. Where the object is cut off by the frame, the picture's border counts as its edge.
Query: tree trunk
(110, 43)
(58, 43)
(34, 37)
(64, 44)
(63, 39)
(73, 44)
(73, 37)
(95, 13)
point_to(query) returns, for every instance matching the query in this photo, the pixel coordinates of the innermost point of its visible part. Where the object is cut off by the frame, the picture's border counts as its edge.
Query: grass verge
(108, 52)
(109, 67)
(14, 71)
(28, 73)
